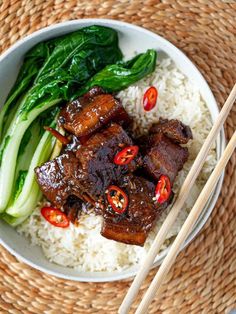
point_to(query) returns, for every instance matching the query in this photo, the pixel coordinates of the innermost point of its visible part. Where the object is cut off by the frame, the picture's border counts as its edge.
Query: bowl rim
(220, 148)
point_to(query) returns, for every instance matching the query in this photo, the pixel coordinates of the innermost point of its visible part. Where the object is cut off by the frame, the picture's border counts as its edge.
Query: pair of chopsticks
(191, 219)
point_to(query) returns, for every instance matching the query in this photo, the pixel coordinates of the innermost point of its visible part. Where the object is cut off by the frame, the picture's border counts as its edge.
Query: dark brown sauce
(77, 180)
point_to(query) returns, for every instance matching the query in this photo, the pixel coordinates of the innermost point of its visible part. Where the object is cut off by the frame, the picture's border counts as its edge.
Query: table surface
(203, 279)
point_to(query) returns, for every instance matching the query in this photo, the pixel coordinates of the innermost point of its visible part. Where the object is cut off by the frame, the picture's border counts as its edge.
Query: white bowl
(132, 39)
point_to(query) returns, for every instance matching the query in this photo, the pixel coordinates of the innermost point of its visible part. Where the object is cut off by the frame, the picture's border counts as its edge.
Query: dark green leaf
(24, 142)
(19, 183)
(118, 76)
(74, 59)
(3, 146)
(65, 47)
(33, 61)
(47, 118)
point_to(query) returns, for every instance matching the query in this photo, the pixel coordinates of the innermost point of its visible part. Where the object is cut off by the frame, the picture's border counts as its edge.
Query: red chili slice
(126, 155)
(163, 189)
(117, 198)
(63, 139)
(55, 217)
(150, 98)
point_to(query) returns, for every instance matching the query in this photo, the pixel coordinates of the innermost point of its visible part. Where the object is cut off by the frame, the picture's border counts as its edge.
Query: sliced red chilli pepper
(63, 139)
(163, 189)
(117, 198)
(150, 98)
(55, 217)
(126, 155)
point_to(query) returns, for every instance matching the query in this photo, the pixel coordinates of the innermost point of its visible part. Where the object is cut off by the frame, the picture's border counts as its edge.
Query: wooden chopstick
(187, 227)
(184, 191)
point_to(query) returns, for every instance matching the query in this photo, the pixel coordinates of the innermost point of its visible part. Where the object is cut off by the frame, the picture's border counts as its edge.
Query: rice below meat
(83, 247)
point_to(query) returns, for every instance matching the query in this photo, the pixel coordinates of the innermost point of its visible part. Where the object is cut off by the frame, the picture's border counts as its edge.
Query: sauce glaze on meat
(163, 156)
(91, 112)
(174, 129)
(141, 214)
(96, 165)
(86, 168)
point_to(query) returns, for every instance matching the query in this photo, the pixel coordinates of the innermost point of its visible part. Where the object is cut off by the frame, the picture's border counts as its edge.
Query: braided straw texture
(203, 279)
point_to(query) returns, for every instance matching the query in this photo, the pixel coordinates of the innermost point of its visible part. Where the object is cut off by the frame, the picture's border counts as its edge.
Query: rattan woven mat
(203, 279)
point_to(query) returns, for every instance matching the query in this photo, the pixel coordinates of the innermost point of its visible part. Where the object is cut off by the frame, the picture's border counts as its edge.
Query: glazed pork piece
(57, 177)
(89, 113)
(96, 160)
(174, 129)
(86, 171)
(163, 155)
(59, 180)
(141, 215)
(87, 174)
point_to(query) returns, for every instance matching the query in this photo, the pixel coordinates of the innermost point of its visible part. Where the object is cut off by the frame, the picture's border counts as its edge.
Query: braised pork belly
(57, 178)
(174, 129)
(101, 154)
(141, 215)
(91, 112)
(163, 157)
(96, 160)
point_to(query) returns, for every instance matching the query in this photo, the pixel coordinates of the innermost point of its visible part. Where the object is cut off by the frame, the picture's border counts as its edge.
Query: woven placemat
(203, 279)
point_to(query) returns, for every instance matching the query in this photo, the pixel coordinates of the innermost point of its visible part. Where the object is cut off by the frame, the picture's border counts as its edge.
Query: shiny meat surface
(90, 113)
(88, 174)
(142, 212)
(56, 179)
(123, 232)
(94, 91)
(173, 129)
(97, 168)
(163, 157)
(86, 168)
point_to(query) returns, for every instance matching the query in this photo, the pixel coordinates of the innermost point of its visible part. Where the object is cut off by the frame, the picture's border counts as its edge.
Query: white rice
(83, 247)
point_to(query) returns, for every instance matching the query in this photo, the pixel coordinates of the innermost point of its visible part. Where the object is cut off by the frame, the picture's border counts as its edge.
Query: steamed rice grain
(83, 247)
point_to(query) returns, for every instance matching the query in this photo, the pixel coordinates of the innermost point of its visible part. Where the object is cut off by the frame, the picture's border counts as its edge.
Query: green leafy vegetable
(69, 61)
(3, 146)
(27, 192)
(53, 72)
(33, 61)
(10, 153)
(20, 183)
(25, 141)
(118, 76)
(65, 48)
(27, 150)
(14, 221)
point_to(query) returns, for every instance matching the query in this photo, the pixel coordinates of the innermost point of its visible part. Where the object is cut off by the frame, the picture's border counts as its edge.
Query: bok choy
(27, 192)
(54, 72)
(116, 77)
(70, 61)
(33, 61)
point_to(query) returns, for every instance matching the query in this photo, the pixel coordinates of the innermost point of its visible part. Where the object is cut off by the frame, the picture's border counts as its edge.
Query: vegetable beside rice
(83, 247)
